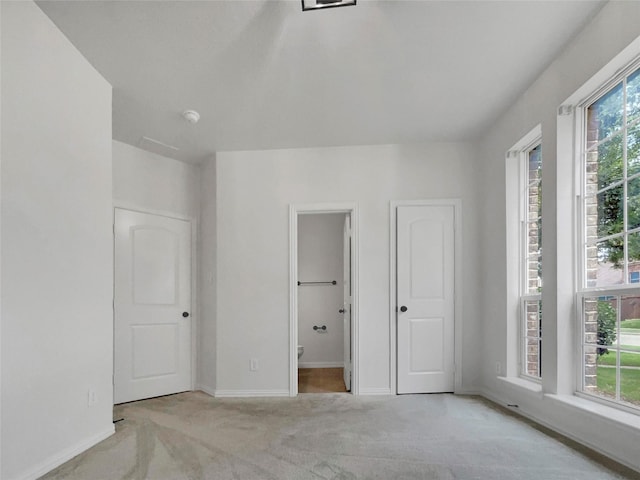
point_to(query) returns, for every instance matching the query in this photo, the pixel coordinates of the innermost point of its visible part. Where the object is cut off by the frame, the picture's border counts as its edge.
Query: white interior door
(152, 306)
(346, 308)
(425, 298)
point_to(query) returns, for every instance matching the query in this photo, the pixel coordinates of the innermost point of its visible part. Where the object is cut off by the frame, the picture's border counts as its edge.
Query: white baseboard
(375, 391)
(59, 458)
(320, 364)
(472, 391)
(250, 393)
(207, 390)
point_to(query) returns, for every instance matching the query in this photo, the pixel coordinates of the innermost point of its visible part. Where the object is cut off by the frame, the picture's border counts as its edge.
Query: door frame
(194, 312)
(456, 203)
(350, 208)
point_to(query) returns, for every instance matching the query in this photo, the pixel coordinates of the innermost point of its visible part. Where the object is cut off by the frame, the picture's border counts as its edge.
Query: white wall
(615, 26)
(254, 190)
(320, 252)
(154, 183)
(57, 265)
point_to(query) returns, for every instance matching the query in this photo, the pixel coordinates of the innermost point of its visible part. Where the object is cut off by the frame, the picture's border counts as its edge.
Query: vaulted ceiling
(264, 74)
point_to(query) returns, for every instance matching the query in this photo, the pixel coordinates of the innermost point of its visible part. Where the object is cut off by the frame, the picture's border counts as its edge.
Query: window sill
(627, 420)
(529, 385)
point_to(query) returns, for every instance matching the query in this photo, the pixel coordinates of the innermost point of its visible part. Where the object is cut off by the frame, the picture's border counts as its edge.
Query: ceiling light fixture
(320, 4)
(191, 116)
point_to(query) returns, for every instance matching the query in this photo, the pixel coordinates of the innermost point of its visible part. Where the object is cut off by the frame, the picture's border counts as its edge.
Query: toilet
(300, 351)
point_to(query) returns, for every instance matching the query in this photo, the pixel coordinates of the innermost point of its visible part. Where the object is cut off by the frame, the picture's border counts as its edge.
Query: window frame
(582, 290)
(525, 258)
(518, 163)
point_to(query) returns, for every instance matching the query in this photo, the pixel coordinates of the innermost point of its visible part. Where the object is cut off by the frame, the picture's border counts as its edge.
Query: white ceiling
(263, 74)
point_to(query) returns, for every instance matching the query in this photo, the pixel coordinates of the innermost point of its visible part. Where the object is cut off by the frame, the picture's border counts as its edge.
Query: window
(610, 243)
(531, 261)
(524, 255)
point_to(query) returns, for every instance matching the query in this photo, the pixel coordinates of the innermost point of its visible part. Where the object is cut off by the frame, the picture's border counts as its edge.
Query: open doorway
(323, 293)
(324, 347)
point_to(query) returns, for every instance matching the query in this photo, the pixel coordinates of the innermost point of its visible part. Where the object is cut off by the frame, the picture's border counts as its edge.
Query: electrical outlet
(498, 368)
(92, 397)
(254, 365)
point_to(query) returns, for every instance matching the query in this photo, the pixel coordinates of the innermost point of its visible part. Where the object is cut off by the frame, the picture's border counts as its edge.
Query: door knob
(185, 314)
(341, 310)
(403, 309)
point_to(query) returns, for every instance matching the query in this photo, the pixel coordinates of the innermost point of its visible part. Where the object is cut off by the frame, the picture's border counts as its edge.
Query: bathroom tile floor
(320, 380)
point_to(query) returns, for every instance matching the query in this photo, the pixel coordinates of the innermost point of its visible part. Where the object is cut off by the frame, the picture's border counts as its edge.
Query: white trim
(1, 297)
(194, 310)
(376, 391)
(577, 404)
(473, 392)
(564, 110)
(611, 413)
(524, 383)
(350, 208)
(613, 404)
(456, 203)
(320, 364)
(205, 389)
(250, 393)
(136, 207)
(629, 289)
(393, 293)
(569, 178)
(195, 304)
(516, 188)
(65, 455)
(293, 301)
(513, 177)
(528, 141)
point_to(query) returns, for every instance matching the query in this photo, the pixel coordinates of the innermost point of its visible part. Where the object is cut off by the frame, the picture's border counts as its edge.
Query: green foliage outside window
(606, 325)
(608, 113)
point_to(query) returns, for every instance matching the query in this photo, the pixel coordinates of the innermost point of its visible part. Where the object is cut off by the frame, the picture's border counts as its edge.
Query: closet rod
(332, 282)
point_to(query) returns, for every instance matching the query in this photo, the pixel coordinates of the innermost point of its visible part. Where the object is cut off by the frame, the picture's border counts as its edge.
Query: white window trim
(570, 141)
(517, 159)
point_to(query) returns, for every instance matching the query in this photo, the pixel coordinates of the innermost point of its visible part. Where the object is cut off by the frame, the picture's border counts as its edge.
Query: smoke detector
(191, 116)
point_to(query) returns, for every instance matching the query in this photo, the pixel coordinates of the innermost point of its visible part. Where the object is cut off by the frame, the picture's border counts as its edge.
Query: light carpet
(193, 436)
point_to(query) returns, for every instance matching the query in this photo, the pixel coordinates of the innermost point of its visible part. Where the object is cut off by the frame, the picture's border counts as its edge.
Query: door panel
(426, 352)
(425, 288)
(155, 350)
(155, 265)
(427, 269)
(152, 290)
